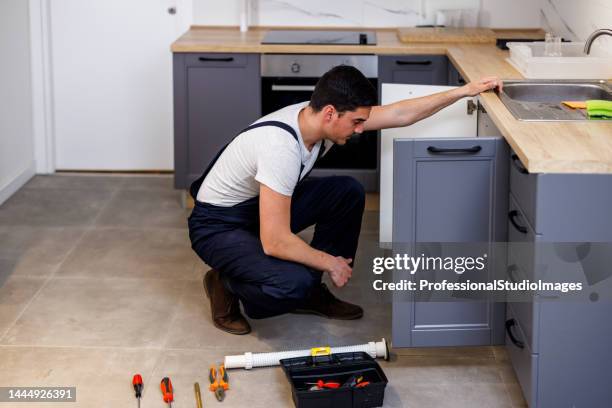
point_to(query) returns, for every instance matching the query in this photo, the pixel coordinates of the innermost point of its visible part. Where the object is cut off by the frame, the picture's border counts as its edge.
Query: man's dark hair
(345, 88)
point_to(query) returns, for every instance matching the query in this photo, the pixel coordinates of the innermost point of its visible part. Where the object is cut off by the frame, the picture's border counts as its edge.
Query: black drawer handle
(216, 59)
(512, 215)
(470, 150)
(519, 166)
(511, 270)
(515, 341)
(400, 62)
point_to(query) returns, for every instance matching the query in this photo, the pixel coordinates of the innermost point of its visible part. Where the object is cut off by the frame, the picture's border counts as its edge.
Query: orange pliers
(219, 381)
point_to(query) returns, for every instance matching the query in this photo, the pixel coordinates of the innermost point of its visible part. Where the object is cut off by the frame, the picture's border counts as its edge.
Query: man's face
(342, 125)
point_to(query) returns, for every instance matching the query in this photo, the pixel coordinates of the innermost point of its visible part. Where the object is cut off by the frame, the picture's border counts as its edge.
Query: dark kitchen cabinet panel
(449, 191)
(215, 97)
(454, 77)
(413, 69)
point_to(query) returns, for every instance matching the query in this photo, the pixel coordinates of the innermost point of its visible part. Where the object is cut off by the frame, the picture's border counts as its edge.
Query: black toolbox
(338, 368)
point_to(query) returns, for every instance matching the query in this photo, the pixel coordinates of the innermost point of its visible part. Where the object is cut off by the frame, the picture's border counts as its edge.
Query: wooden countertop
(543, 147)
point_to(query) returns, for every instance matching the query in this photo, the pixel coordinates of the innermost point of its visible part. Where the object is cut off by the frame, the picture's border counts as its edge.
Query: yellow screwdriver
(198, 396)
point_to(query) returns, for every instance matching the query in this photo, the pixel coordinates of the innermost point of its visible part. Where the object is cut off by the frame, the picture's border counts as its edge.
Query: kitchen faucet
(593, 36)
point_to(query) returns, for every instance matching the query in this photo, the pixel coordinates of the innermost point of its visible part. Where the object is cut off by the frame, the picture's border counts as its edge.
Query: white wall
(575, 20)
(510, 14)
(16, 140)
(367, 13)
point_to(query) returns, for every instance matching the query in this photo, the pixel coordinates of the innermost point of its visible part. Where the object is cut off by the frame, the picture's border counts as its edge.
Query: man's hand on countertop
(482, 85)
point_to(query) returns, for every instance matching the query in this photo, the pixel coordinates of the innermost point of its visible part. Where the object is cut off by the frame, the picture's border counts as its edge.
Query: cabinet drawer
(413, 69)
(524, 362)
(526, 308)
(216, 60)
(521, 239)
(452, 148)
(523, 185)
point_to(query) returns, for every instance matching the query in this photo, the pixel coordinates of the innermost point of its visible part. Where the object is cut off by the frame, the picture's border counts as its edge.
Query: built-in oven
(291, 78)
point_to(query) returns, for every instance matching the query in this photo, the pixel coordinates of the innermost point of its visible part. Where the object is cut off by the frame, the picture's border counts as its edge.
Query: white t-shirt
(268, 155)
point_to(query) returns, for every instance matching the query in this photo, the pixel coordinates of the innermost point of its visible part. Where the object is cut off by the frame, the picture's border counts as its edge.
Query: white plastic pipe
(376, 349)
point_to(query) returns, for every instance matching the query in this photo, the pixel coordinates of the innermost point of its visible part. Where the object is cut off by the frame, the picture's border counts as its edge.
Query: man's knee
(298, 283)
(353, 190)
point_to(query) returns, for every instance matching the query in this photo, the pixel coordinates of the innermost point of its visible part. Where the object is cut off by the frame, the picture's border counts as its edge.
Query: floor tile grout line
(175, 314)
(45, 283)
(123, 348)
(158, 361)
(114, 194)
(86, 229)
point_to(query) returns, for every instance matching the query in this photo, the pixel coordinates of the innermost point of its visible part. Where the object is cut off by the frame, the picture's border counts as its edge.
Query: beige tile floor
(98, 282)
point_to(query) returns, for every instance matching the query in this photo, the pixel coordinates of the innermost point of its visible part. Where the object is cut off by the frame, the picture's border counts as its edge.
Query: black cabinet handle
(519, 166)
(216, 59)
(426, 62)
(509, 324)
(470, 150)
(512, 215)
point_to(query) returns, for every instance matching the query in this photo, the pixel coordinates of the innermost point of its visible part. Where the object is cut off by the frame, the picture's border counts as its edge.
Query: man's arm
(278, 240)
(409, 111)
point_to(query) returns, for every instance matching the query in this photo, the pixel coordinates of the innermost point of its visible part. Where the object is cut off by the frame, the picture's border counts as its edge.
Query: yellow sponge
(575, 104)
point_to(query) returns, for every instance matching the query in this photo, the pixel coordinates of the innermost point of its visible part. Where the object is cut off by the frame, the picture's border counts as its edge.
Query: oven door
(360, 151)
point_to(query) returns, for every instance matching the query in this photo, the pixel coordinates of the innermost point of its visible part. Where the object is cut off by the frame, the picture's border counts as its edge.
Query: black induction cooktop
(316, 37)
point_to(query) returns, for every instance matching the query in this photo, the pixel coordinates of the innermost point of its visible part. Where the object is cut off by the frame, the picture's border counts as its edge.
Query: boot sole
(212, 317)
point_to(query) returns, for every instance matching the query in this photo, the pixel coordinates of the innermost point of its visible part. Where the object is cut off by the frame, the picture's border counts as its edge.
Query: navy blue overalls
(227, 238)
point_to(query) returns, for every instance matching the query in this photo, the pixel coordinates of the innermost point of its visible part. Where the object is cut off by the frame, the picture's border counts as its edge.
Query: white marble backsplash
(572, 19)
(575, 20)
(366, 13)
(315, 13)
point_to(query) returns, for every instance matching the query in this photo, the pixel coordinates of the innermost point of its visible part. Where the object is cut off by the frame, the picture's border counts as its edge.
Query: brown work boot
(224, 305)
(323, 303)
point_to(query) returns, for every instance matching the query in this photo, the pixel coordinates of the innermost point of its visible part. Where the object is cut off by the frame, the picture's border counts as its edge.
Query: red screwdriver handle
(166, 389)
(322, 384)
(137, 383)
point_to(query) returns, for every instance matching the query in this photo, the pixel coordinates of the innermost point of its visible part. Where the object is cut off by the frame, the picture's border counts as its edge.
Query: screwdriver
(353, 380)
(198, 395)
(321, 384)
(137, 383)
(166, 389)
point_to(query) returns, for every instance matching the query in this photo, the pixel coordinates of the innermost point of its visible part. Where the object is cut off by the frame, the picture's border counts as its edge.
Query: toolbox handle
(320, 351)
(321, 355)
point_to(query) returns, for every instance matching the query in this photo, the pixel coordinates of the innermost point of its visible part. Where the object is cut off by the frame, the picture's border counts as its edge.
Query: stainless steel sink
(540, 100)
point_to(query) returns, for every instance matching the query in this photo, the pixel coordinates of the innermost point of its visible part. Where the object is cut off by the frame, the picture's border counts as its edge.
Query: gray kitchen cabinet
(413, 69)
(560, 230)
(215, 97)
(456, 120)
(454, 77)
(449, 193)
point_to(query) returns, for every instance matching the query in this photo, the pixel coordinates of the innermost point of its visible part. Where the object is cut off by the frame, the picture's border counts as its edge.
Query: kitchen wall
(575, 20)
(16, 140)
(368, 13)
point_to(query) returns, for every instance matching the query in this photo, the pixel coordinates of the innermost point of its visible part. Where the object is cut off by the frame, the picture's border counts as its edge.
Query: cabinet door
(454, 77)
(448, 192)
(413, 69)
(215, 97)
(455, 120)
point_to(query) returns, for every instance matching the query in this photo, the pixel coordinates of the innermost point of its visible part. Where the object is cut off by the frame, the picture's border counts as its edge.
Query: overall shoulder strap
(195, 186)
(276, 123)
